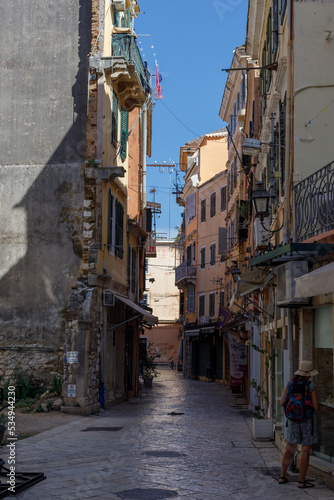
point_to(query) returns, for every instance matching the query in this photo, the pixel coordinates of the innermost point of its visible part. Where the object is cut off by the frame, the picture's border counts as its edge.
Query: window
(221, 298)
(191, 207)
(212, 304)
(110, 220)
(114, 119)
(119, 229)
(194, 251)
(201, 308)
(212, 254)
(191, 298)
(222, 241)
(223, 199)
(203, 210)
(213, 205)
(181, 303)
(283, 9)
(275, 28)
(124, 132)
(203, 258)
(188, 255)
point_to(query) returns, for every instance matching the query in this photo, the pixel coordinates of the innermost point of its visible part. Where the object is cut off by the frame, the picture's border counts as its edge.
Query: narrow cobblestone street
(182, 439)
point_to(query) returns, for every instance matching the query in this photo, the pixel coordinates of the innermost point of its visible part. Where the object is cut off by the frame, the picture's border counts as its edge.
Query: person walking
(300, 401)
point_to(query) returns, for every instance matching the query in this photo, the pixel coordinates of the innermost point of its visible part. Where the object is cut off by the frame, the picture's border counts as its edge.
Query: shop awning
(252, 280)
(317, 282)
(147, 316)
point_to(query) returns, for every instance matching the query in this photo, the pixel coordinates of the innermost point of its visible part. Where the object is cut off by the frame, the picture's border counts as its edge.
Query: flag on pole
(224, 315)
(158, 79)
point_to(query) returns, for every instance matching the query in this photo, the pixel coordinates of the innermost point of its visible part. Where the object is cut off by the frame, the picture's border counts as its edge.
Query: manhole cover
(109, 429)
(165, 454)
(146, 494)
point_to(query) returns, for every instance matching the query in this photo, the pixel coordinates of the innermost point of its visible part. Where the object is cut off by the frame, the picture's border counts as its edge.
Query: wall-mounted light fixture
(235, 271)
(260, 201)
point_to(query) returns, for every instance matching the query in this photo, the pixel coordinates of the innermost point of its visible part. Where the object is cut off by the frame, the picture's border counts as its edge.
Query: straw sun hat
(306, 369)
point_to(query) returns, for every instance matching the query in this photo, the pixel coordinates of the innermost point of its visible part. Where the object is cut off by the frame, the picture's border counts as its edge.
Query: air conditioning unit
(204, 320)
(119, 5)
(261, 233)
(286, 274)
(108, 299)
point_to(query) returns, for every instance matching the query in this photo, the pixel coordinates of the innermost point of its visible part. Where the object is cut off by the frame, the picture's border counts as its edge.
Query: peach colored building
(163, 298)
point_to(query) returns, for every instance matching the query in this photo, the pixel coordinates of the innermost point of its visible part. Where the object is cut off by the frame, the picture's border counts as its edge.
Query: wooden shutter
(124, 132)
(119, 229)
(203, 210)
(114, 118)
(222, 241)
(202, 258)
(223, 199)
(201, 305)
(213, 205)
(211, 305)
(110, 219)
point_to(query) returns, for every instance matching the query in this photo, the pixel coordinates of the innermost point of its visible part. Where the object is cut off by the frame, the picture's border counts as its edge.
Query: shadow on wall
(44, 115)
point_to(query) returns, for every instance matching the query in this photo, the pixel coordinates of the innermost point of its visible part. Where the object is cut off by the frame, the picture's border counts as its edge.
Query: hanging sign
(242, 357)
(236, 374)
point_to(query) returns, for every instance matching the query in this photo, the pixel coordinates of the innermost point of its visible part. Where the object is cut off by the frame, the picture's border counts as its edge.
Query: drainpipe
(289, 160)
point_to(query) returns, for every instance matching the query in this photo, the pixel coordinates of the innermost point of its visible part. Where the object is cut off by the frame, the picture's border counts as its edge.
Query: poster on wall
(236, 375)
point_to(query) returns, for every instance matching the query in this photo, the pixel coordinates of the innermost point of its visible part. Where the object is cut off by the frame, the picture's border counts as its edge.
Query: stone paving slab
(205, 454)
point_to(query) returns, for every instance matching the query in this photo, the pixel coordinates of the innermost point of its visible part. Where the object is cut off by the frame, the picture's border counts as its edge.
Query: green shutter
(114, 128)
(110, 218)
(117, 19)
(124, 132)
(119, 229)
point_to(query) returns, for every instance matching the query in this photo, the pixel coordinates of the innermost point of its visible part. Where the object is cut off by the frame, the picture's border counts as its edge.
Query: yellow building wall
(313, 86)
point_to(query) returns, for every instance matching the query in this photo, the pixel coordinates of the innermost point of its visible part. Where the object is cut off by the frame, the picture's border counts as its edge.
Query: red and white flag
(158, 79)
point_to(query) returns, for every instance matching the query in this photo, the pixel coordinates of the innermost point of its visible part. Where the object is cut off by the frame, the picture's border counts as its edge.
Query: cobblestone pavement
(182, 439)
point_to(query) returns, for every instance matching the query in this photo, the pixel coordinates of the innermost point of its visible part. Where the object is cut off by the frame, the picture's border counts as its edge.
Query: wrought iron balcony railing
(184, 271)
(125, 45)
(314, 204)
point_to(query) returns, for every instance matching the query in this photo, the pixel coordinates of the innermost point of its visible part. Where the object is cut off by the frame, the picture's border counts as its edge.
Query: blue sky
(192, 40)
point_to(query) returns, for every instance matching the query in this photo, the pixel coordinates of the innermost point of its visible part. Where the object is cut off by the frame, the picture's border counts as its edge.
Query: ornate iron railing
(184, 270)
(314, 204)
(126, 46)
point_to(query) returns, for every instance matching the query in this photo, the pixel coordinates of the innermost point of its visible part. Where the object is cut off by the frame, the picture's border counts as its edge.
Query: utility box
(286, 274)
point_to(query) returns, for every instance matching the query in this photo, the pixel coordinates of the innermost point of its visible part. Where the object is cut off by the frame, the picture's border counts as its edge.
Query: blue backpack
(298, 404)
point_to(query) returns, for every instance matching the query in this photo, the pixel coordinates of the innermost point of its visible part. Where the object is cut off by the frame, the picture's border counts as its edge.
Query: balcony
(314, 204)
(185, 274)
(151, 246)
(126, 69)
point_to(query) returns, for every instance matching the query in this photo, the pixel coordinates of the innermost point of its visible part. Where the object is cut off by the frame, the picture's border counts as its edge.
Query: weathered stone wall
(43, 118)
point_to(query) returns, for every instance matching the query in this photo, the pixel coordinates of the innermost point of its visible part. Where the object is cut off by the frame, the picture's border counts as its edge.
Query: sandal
(283, 480)
(305, 484)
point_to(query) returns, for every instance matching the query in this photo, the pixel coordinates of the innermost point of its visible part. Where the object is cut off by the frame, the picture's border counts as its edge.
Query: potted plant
(149, 365)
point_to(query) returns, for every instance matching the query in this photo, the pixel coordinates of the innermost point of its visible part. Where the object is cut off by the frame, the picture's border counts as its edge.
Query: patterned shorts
(301, 433)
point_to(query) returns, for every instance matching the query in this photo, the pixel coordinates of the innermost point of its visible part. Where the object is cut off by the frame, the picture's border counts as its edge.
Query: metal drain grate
(146, 494)
(96, 429)
(164, 454)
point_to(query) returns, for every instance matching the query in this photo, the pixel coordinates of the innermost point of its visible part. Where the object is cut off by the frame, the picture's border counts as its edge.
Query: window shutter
(124, 132)
(202, 258)
(222, 241)
(110, 218)
(191, 298)
(117, 19)
(275, 28)
(203, 210)
(114, 118)
(119, 229)
(213, 205)
(212, 254)
(223, 199)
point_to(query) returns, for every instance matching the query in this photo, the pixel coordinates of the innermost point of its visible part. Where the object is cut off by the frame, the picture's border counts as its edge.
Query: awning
(147, 317)
(292, 251)
(317, 282)
(252, 280)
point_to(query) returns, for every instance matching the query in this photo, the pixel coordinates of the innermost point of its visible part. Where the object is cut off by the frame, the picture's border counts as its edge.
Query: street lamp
(235, 271)
(260, 201)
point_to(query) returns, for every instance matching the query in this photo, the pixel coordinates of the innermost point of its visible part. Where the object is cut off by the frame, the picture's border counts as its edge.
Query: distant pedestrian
(300, 400)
